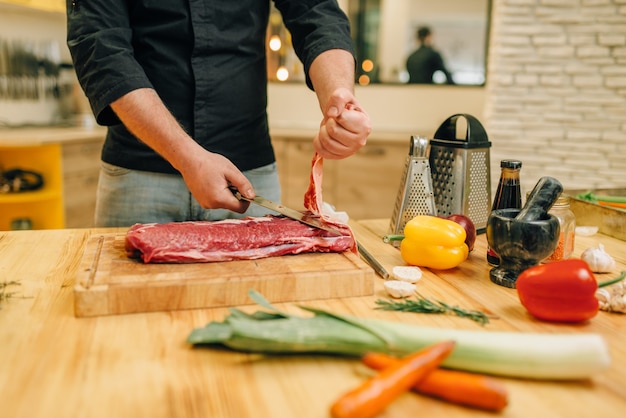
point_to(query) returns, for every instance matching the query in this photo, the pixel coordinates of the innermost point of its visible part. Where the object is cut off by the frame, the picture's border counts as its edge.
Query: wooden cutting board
(109, 283)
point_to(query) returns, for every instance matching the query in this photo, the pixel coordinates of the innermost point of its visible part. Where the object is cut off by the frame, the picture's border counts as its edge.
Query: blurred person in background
(425, 61)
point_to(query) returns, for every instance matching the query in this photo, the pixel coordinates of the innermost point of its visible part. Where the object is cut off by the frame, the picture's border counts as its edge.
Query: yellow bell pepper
(433, 242)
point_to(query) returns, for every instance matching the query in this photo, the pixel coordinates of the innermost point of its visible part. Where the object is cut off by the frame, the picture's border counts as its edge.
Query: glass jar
(567, 220)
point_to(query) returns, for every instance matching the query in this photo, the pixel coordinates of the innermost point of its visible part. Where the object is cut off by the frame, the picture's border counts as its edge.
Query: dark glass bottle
(508, 195)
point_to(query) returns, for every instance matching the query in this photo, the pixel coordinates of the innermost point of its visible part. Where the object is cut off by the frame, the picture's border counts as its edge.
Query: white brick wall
(556, 91)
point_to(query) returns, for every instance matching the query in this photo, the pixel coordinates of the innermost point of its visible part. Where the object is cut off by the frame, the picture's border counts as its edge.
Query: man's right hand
(209, 177)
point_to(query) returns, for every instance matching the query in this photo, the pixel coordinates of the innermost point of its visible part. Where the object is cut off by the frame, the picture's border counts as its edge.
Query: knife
(288, 212)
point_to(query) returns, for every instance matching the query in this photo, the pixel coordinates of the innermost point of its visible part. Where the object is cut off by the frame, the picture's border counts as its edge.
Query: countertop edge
(33, 136)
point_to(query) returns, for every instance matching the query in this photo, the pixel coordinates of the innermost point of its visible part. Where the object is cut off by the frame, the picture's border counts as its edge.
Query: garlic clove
(603, 296)
(618, 304)
(410, 274)
(399, 289)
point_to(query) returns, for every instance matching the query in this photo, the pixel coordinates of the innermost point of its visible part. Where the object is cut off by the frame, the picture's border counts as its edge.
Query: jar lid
(513, 164)
(562, 200)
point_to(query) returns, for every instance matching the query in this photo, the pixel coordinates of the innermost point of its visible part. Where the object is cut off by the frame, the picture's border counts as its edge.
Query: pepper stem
(613, 281)
(391, 237)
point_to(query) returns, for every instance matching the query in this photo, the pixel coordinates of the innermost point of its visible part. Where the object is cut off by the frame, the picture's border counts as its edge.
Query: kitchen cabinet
(364, 185)
(42, 208)
(81, 168)
(68, 159)
(367, 183)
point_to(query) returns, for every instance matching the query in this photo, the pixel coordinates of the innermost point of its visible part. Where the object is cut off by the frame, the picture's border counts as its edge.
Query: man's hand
(344, 128)
(207, 175)
(345, 125)
(208, 178)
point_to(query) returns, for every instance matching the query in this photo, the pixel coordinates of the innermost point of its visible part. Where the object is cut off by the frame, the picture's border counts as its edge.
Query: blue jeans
(126, 197)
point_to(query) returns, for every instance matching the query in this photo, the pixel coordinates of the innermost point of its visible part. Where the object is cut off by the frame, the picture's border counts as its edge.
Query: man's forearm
(331, 70)
(145, 115)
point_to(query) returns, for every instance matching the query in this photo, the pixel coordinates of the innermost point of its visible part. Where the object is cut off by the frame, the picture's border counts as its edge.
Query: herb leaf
(4, 295)
(424, 305)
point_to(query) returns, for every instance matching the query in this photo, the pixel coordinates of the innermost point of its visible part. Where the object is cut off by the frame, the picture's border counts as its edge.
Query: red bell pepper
(562, 291)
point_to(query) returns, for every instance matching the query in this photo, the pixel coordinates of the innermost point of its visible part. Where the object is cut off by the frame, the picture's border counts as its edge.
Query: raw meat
(313, 197)
(314, 202)
(241, 239)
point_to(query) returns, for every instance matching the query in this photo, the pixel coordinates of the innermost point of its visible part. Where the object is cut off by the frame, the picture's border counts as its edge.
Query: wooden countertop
(34, 136)
(138, 365)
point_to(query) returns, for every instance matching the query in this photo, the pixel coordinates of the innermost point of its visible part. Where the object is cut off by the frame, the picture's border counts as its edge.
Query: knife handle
(238, 195)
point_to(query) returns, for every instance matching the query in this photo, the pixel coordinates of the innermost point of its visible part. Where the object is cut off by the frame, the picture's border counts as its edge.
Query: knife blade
(288, 212)
(367, 256)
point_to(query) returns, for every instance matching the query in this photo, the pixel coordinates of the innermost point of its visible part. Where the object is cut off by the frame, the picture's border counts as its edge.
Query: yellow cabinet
(42, 208)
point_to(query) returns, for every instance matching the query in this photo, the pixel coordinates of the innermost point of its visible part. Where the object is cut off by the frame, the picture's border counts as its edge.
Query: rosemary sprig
(4, 295)
(425, 305)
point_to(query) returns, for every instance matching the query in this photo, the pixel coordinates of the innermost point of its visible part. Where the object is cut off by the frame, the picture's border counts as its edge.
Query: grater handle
(475, 133)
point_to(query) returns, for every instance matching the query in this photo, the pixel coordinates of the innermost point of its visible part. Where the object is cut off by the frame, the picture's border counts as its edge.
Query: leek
(520, 355)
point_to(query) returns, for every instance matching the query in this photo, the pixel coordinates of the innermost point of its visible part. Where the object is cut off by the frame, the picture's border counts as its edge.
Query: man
(182, 87)
(424, 62)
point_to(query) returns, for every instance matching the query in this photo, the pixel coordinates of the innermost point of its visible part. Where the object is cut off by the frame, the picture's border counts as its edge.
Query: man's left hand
(345, 127)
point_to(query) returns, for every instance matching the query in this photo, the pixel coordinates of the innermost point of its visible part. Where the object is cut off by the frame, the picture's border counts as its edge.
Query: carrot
(463, 388)
(376, 393)
(612, 204)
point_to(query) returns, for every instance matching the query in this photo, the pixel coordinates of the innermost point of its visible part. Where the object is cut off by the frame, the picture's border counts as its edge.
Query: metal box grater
(460, 170)
(415, 196)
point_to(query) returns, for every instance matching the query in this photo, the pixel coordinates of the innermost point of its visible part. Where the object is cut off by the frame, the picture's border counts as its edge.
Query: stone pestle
(540, 199)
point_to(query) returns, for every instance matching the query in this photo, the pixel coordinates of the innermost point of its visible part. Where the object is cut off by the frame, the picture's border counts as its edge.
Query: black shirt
(205, 59)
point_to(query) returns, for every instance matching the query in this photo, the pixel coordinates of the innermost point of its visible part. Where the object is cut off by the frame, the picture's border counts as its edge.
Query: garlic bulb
(399, 289)
(598, 259)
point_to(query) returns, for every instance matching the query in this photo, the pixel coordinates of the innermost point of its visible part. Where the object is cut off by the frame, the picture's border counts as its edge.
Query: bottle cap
(512, 164)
